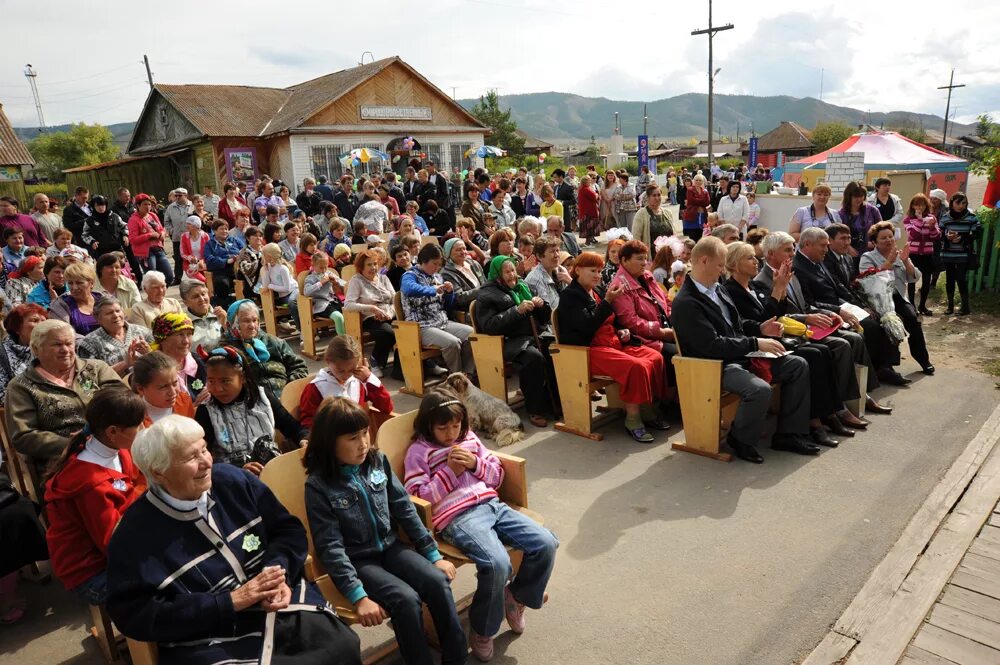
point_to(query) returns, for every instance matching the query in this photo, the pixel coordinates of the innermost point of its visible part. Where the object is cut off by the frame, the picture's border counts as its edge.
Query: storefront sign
(753, 152)
(395, 113)
(241, 165)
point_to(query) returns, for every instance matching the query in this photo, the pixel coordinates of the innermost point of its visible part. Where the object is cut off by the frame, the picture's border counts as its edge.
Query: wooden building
(789, 138)
(14, 156)
(210, 134)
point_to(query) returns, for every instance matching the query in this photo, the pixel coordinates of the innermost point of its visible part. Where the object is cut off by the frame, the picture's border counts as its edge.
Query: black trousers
(385, 338)
(925, 264)
(222, 287)
(178, 262)
(823, 389)
(957, 272)
(883, 352)
(918, 346)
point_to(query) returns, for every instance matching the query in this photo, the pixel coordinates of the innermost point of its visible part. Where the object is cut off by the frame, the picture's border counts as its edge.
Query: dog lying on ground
(487, 414)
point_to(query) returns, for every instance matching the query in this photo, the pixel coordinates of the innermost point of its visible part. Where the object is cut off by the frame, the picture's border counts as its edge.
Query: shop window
(458, 158)
(325, 160)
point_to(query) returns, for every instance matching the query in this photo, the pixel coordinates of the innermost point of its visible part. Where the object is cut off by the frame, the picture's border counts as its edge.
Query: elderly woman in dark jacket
(505, 305)
(465, 274)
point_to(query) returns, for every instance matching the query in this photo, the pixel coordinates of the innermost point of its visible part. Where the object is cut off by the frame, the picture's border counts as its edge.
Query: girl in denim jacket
(449, 466)
(354, 501)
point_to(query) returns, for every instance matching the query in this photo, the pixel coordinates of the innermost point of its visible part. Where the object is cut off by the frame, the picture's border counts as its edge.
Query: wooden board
(955, 647)
(917, 656)
(699, 388)
(487, 352)
(831, 650)
(970, 601)
(966, 624)
(572, 368)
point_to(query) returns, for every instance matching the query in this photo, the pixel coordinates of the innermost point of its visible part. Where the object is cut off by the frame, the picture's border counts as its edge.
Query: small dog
(486, 412)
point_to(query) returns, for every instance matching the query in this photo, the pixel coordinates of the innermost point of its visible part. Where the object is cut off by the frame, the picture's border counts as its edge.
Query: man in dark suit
(564, 193)
(838, 260)
(847, 346)
(441, 195)
(708, 325)
(823, 290)
(324, 190)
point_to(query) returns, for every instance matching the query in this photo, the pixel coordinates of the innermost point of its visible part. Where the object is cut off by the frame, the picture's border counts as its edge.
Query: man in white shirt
(211, 201)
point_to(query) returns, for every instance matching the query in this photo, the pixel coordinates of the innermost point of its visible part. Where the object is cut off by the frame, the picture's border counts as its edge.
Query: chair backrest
(429, 240)
(397, 306)
(472, 317)
(286, 478)
(358, 247)
(555, 324)
(347, 272)
(394, 437)
(291, 394)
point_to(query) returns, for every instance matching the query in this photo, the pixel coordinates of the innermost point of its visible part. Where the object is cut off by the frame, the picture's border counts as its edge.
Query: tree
(918, 134)
(986, 161)
(82, 145)
(828, 134)
(488, 112)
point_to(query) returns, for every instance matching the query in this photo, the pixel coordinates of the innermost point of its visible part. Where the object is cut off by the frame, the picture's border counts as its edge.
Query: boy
(400, 264)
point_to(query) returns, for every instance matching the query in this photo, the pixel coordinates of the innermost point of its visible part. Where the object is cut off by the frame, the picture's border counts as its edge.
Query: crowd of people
(158, 414)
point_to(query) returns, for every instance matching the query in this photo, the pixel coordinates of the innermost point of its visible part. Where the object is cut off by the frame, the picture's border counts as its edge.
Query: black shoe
(745, 451)
(833, 424)
(875, 407)
(820, 436)
(657, 423)
(793, 443)
(950, 310)
(964, 311)
(928, 370)
(925, 311)
(892, 377)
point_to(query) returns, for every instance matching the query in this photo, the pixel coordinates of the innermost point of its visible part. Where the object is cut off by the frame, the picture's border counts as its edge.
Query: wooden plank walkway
(963, 628)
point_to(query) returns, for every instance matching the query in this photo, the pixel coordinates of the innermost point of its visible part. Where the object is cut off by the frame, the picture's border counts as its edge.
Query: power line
(710, 31)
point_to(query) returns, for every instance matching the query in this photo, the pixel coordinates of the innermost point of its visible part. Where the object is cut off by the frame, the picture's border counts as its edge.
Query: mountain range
(562, 117)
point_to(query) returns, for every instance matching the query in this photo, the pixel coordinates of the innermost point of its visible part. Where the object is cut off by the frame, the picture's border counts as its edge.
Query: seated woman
(91, 486)
(585, 319)
(23, 281)
(502, 243)
(45, 403)
(169, 582)
(271, 361)
(193, 249)
(506, 306)
(53, 285)
(172, 334)
(209, 322)
(463, 272)
(383, 577)
(116, 342)
(826, 395)
(370, 293)
(15, 352)
(154, 378)
(155, 300)
(77, 307)
(345, 375)
(240, 418)
(887, 256)
(221, 253)
(111, 282)
(427, 299)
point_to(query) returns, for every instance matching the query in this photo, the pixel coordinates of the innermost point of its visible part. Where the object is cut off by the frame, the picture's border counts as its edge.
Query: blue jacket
(217, 255)
(354, 516)
(170, 573)
(421, 301)
(39, 295)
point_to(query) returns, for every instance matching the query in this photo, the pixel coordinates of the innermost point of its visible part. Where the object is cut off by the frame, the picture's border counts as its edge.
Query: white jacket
(734, 212)
(897, 217)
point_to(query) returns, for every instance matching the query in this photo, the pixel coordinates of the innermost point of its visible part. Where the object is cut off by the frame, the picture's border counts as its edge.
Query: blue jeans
(481, 533)
(95, 590)
(157, 260)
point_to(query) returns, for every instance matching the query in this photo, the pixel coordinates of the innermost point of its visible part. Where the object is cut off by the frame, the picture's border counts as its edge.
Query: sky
(879, 56)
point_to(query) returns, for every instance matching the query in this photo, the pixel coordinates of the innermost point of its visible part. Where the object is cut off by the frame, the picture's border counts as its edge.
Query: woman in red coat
(588, 206)
(230, 203)
(696, 211)
(586, 320)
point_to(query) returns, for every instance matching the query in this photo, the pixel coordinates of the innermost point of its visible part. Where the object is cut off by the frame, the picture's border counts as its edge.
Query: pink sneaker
(514, 611)
(482, 647)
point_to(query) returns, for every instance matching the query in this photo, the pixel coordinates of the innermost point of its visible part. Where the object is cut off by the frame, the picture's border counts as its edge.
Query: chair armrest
(514, 488)
(423, 508)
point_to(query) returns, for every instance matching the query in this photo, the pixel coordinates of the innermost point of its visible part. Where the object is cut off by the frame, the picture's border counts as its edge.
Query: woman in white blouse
(370, 293)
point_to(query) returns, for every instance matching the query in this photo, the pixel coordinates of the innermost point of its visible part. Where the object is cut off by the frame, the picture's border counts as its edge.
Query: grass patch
(992, 367)
(984, 302)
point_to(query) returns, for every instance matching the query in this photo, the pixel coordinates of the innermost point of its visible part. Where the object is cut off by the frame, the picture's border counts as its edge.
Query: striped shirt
(428, 476)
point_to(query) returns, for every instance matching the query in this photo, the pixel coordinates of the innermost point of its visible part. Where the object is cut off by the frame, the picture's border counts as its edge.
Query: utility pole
(951, 86)
(31, 75)
(710, 31)
(821, 73)
(149, 72)
(453, 88)
(645, 120)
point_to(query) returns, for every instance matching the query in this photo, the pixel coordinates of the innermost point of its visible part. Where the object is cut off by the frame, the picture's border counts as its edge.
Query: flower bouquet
(875, 288)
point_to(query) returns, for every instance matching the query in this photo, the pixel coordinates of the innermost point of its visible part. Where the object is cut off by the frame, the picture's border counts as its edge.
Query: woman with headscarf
(172, 335)
(465, 274)
(506, 306)
(21, 282)
(273, 363)
(104, 231)
(15, 352)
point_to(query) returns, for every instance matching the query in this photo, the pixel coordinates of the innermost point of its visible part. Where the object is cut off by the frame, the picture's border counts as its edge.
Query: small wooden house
(14, 156)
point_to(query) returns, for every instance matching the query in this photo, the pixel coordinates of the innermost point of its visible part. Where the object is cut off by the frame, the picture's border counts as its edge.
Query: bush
(55, 190)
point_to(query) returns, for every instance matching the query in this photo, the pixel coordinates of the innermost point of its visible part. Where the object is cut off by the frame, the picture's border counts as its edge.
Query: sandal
(538, 421)
(640, 434)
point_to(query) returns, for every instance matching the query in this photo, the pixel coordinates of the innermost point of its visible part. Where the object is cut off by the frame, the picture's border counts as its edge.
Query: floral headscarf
(520, 291)
(166, 325)
(254, 348)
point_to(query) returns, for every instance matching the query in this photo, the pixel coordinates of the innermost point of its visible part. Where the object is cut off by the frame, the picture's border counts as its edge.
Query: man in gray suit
(847, 346)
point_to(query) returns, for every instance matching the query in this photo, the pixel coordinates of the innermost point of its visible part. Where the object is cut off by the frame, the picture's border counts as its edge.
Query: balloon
(465, 172)
(395, 158)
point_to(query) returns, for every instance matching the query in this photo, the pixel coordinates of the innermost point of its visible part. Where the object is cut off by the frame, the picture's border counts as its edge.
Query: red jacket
(312, 397)
(639, 309)
(227, 213)
(587, 203)
(696, 202)
(142, 234)
(84, 503)
(303, 263)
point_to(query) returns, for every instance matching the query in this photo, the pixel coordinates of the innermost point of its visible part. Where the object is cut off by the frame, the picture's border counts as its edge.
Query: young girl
(754, 219)
(922, 231)
(154, 378)
(360, 231)
(449, 466)
(307, 247)
(611, 262)
(239, 419)
(341, 257)
(661, 264)
(355, 505)
(193, 249)
(277, 276)
(678, 273)
(345, 375)
(91, 486)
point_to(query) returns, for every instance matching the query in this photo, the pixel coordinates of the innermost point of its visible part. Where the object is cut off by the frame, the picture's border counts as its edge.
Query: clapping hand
(615, 290)
(221, 315)
(525, 306)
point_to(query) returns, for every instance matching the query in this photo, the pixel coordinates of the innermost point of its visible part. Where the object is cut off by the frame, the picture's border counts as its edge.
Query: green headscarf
(520, 292)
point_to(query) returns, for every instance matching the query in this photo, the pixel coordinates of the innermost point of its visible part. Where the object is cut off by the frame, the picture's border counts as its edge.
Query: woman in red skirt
(587, 205)
(587, 320)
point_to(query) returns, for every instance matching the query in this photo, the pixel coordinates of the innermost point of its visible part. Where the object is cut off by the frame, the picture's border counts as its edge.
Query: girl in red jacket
(90, 488)
(345, 375)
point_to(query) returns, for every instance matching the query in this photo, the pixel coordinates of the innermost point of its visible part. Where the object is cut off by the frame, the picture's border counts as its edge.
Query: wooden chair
(576, 383)
(142, 653)
(358, 247)
(21, 468)
(309, 324)
(487, 350)
(395, 438)
(104, 632)
(347, 272)
(238, 288)
(286, 477)
(291, 399)
(428, 240)
(209, 283)
(412, 353)
(353, 328)
(272, 313)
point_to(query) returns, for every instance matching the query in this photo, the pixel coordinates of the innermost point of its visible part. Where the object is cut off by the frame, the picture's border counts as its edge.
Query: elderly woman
(272, 361)
(172, 334)
(15, 354)
(53, 283)
(370, 293)
(625, 202)
(859, 216)
(116, 342)
(45, 403)
(22, 281)
(209, 565)
(155, 302)
(886, 256)
(465, 274)
(585, 319)
(111, 282)
(77, 307)
(209, 322)
(652, 221)
(506, 306)
(697, 202)
(816, 214)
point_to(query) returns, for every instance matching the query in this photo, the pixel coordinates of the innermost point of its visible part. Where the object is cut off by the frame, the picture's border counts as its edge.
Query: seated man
(848, 346)
(708, 325)
(556, 229)
(821, 289)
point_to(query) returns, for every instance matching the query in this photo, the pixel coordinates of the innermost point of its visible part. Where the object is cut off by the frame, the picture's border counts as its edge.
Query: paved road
(668, 558)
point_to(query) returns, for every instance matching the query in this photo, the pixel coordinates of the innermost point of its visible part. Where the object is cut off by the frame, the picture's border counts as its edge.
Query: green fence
(987, 277)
